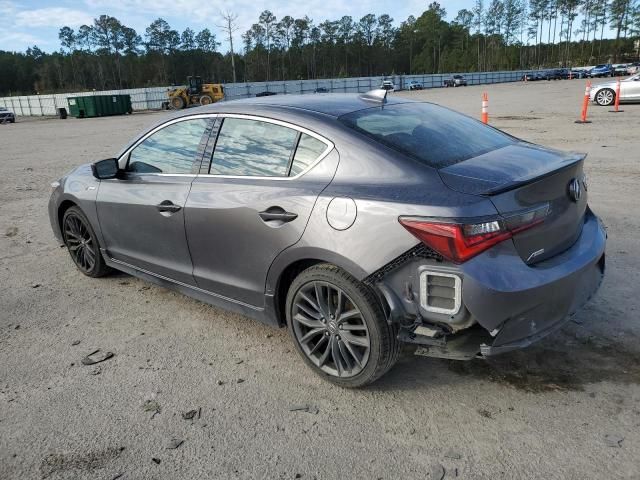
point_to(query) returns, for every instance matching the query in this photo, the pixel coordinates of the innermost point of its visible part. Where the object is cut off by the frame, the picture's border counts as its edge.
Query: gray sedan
(605, 93)
(359, 223)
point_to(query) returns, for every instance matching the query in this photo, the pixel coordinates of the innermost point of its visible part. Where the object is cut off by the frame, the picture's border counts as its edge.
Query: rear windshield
(434, 135)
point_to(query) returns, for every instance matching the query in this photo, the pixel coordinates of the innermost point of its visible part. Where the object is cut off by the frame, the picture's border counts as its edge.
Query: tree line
(494, 35)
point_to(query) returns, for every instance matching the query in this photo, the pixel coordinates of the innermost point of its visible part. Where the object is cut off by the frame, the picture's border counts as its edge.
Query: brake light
(459, 242)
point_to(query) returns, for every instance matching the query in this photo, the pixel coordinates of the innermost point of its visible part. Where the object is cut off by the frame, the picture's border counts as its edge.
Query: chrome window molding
(122, 160)
(328, 143)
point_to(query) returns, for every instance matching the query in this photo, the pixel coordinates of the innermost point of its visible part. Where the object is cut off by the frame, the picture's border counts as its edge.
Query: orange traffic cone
(485, 108)
(616, 104)
(585, 104)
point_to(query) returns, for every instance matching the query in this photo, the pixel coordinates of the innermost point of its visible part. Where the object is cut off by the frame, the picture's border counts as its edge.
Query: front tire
(605, 97)
(206, 100)
(177, 103)
(339, 328)
(82, 243)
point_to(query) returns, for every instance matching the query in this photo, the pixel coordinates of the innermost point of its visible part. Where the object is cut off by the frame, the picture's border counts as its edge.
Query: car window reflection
(252, 147)
(170, 150)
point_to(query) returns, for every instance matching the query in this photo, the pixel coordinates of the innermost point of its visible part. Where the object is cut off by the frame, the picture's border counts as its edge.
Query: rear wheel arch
(285, 280)
(288, 265)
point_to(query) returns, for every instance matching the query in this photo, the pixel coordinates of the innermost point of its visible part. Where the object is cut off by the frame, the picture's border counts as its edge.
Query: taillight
(458, 242)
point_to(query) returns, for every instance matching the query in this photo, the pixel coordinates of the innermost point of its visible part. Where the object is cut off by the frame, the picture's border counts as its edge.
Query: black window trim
(300, 130)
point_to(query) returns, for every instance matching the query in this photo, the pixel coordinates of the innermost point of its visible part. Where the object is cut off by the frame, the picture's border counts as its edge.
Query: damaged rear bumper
(527, 303)
(507, 304)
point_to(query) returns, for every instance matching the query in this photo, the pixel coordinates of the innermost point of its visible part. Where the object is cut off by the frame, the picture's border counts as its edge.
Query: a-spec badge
(575, 190)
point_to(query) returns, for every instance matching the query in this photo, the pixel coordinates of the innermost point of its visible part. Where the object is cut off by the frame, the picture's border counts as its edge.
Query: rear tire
(206, 100)
(82, 243)
(339, 328)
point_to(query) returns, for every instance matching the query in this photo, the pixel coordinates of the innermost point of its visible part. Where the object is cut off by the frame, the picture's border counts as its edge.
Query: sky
(24, 23)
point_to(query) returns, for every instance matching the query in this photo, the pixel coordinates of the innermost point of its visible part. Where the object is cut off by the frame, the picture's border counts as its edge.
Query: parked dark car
(265, 94)
(321, 90)
(455, 81)
(554, 74)
(579, 73)
(7, 116)
(358, 222)
(531, 77)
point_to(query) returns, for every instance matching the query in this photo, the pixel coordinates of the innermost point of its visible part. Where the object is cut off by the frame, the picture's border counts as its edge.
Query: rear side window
(172, 149)
(253, 148)
(308, 151)
(434, 135)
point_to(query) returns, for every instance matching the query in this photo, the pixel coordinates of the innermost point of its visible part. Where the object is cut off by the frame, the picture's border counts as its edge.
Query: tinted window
(308, 151)
(434, 135)
(170, 150)
(253, 147)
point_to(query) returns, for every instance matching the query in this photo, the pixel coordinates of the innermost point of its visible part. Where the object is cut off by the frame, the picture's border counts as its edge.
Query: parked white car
(388, 85)
(605, 93)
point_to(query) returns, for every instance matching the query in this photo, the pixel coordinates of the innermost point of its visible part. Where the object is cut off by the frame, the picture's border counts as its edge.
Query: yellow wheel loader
(195, 93)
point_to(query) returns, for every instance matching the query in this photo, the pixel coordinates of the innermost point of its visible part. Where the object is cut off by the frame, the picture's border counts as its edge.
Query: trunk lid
(521, 177)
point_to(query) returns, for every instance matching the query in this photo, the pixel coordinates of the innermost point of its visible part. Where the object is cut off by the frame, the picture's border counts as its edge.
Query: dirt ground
(567, 408)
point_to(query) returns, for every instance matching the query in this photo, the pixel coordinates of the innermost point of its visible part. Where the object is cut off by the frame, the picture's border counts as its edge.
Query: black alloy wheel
(339, 327)
(82, 243)
(330, 329)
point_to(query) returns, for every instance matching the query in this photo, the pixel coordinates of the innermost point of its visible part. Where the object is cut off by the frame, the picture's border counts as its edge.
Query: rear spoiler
(489, 174)
(576, 158)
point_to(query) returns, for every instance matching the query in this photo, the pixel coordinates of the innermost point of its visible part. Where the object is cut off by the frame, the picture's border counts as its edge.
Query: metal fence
(153, 98)
(37, 105)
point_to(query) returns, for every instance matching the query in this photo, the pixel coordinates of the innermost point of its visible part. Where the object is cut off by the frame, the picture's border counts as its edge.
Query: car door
(253, 202)
(141, 213)
(630, 89)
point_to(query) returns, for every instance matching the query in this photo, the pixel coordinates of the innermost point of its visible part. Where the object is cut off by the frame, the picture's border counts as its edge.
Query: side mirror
(105, 169)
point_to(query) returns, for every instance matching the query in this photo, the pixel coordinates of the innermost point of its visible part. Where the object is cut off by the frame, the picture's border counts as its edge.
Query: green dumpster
(99, 105)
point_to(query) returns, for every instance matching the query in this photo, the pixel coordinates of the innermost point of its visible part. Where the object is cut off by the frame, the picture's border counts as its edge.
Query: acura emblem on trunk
(575, 191)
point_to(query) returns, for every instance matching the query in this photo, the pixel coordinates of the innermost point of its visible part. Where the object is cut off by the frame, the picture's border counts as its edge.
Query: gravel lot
(566, 408)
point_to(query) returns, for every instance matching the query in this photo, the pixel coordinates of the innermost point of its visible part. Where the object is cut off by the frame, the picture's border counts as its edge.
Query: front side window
(253, 148)
(170, 150)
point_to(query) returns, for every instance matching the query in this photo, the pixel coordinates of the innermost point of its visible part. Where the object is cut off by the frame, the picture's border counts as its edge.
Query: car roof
(332, 104)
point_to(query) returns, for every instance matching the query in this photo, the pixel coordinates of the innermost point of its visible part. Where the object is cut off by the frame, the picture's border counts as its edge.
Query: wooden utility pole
(229, 26)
